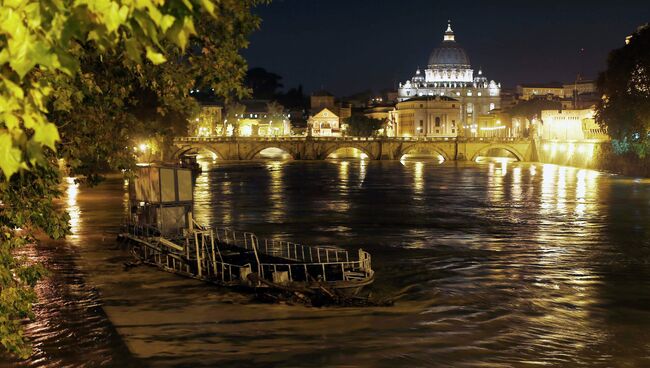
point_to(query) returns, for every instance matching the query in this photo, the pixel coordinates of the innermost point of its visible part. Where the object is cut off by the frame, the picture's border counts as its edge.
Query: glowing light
(246, 131)
(72, 207)
(143, 147)
(418, 180)
(494, 128)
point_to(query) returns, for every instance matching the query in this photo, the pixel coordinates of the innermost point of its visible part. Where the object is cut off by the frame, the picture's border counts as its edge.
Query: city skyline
(348, 48)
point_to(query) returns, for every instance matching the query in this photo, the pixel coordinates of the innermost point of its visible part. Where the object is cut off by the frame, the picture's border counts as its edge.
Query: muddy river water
(495, 264)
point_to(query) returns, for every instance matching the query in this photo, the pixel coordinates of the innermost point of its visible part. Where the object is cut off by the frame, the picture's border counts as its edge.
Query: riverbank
(598, 156)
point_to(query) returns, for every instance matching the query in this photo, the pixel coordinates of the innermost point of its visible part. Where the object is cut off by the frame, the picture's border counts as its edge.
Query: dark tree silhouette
(264, 84)
(624, 109)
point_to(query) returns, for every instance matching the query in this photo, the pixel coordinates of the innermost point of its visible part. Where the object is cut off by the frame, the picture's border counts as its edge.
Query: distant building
(427, 116)
(537, 90)
(208, 122)
(569, 125)
(384, 112)
(326, 115)
(580, 94)
(499, 124)
(579, 87)
(325, 123)
(450, 74)
(380, 111)
(260, 118)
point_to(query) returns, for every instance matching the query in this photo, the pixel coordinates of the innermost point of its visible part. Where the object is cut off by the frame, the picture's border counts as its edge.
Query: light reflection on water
(502, 265)
(71, 191)
(493, 264)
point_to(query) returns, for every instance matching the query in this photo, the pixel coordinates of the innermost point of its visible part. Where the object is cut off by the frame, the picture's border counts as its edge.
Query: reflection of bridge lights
(561, 188)
(548, 177)
(418, 178)
(504, 166)
(72, 207)
(581, 191)
(343, 171)
(363, 167)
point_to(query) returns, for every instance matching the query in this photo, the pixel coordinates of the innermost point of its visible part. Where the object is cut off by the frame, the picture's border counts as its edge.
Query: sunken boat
(162, 232)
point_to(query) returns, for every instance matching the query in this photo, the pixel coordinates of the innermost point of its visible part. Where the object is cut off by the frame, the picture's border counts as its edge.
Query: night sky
(347, 46)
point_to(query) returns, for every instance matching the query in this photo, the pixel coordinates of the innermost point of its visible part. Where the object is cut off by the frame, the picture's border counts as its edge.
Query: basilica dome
(449, 53)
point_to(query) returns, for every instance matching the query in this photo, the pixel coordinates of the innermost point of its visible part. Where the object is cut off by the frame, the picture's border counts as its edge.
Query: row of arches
(352, 152)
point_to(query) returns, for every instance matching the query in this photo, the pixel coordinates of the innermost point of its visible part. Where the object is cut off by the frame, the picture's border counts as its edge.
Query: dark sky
(347, 46)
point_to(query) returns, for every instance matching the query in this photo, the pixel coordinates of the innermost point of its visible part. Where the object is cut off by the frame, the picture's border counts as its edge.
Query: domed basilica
(450, 74)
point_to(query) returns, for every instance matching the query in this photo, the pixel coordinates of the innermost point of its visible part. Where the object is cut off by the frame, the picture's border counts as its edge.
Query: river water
(492, 264)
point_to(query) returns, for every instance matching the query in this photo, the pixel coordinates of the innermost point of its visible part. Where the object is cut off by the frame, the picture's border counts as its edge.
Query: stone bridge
(380, 148)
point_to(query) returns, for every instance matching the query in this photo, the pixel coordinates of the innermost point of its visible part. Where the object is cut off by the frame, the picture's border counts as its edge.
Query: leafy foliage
(625, 86)
(39, 37)
(26, 205)
(264, 84)
(363, 126)
(80, 80)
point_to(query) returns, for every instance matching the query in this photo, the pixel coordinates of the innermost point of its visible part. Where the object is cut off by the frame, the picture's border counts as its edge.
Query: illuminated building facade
(450, 74)
(538, 90)
(208, 122)
(326, 116)
(570, 125)
(259, 118)
(427, 116)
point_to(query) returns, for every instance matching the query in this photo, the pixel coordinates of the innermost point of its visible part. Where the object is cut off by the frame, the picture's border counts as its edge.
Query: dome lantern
(449, 33)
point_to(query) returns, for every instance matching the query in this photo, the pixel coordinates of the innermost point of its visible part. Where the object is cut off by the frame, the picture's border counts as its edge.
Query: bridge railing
(348, 139)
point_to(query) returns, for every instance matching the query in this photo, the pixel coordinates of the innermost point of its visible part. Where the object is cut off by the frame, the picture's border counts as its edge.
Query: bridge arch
(257, 149)
(424, 147)
(510, 149)
(335, 147)
(180, 151)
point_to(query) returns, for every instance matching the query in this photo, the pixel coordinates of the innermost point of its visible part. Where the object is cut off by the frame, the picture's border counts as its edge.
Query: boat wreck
(162, 232)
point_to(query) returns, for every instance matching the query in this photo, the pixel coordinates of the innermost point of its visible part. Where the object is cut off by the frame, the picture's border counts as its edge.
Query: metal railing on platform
(310, 260)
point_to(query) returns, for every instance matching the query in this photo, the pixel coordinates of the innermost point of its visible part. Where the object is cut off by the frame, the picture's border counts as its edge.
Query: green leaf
(154, 56)
(11, 156)
(133, 49)
(47, 134)
(13, 88)
(208, 6)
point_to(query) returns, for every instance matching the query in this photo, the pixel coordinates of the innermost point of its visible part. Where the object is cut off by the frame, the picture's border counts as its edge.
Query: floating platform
(161, 232)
